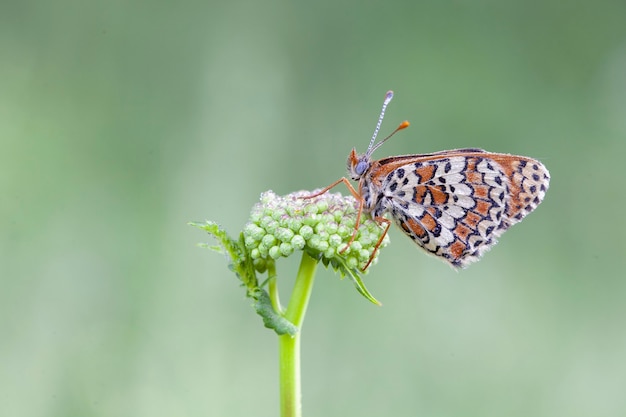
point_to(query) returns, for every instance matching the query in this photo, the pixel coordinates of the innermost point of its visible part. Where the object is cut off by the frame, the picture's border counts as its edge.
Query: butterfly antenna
(388, 98)
(371, 148)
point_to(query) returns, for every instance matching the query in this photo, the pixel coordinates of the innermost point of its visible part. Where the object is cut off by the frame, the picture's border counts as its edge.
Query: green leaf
(360, 286)
(355, 276)
(227, 246)
(271, 319)
(235, 252)
(240, 263)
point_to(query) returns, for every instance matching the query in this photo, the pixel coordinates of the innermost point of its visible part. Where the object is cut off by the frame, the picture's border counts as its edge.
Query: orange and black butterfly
(454, 204)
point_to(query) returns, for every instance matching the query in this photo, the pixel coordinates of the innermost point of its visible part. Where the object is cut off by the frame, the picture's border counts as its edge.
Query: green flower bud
(284, 234)
(352, 262)
(274, 252)
(286, 249)
(334, 240)
(322, 226)
(254, 232)
(306, 232)
(298, 242)
(356, 246)
(260, 264)
(268, 240)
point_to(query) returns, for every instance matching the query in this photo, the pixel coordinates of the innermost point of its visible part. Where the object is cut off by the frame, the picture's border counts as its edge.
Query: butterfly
(454, 204)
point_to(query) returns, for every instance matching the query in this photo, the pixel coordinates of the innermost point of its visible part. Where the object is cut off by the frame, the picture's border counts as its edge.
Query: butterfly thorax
(361, 168)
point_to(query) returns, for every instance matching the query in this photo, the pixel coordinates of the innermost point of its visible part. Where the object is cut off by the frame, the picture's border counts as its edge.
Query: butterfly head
(358, 164)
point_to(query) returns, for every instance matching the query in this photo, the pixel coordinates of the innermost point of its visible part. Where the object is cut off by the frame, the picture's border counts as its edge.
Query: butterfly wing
(455, 204)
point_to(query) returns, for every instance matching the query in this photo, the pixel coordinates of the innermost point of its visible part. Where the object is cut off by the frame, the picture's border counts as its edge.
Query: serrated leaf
(233, 250)
(355, 276)
(241, 264)
(271, 319)
(228, 246)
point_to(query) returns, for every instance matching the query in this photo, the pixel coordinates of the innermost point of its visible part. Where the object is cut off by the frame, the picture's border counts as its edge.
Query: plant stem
(289, 346)
(273, 288)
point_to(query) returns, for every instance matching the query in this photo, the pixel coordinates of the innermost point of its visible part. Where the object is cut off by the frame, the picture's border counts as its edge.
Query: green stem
(273, 288)
(289, 346)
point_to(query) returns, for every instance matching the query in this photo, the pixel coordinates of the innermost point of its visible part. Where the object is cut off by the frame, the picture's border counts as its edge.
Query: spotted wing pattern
(455, 204)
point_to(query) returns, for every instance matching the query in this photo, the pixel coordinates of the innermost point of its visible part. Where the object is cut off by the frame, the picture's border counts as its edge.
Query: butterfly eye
(361, 167)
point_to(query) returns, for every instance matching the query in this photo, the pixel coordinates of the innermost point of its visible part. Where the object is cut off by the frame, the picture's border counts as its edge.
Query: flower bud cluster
(322, 226)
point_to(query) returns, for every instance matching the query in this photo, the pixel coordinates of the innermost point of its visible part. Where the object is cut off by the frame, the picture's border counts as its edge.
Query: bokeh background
(122, 121)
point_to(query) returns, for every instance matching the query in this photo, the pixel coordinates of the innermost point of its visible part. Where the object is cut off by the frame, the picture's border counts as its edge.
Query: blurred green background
(122, 121)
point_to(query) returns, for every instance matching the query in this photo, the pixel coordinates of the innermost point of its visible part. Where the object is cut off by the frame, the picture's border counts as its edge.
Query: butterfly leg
(333, 185)
(356, 224)
(379, 220)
